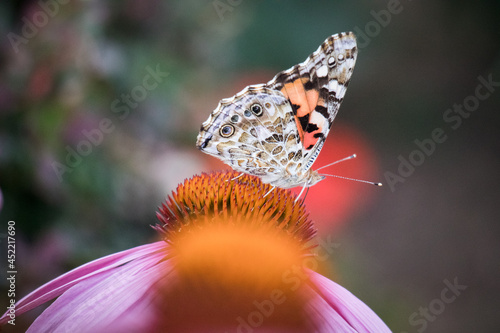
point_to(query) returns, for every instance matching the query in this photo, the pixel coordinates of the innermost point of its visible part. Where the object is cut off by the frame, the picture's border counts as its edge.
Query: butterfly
(276, 130)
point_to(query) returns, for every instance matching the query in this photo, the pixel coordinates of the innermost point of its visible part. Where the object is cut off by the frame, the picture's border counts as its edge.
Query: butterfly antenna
(356, 180)
(342, 160)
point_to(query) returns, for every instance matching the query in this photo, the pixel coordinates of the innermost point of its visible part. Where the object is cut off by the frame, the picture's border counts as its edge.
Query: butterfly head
(314, 177)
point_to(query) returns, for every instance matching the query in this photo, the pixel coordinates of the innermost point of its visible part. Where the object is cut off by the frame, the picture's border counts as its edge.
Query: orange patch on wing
(309, 141)
(305, 100)
(319, 120)
(312, 98)
(297, 95)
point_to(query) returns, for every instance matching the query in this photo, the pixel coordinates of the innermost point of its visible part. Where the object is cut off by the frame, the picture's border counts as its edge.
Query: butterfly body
(276, 130)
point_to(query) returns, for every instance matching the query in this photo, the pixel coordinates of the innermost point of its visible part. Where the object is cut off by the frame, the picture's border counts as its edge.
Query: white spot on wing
(322, 71)
(333, 85)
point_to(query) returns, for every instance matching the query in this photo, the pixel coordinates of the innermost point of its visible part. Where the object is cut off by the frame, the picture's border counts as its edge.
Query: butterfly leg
(230, 180)
(301, 191)
(272, 188)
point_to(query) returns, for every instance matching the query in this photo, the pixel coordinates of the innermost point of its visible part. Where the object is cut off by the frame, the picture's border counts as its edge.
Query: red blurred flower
(333, 201)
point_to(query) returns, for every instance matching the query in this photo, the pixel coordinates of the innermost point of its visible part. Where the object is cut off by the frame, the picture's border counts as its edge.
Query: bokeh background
(69, 75)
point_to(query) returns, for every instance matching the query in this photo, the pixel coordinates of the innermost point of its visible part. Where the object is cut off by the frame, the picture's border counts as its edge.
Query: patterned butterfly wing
(253, 132)
(276, 130)
(316, 88)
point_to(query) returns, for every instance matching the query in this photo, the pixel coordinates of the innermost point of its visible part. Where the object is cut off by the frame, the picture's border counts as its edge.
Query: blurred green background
(66, 72)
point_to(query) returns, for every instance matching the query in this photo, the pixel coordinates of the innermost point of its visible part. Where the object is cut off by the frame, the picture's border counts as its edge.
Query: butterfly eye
(235, 118)
(256, 109)
(226, 131)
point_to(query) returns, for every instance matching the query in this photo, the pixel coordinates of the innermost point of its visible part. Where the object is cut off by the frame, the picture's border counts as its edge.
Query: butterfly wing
(280, 140)
(253, 132)
(316, 88)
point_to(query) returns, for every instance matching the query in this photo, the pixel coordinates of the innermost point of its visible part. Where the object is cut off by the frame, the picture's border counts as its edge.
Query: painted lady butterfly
(276, 130)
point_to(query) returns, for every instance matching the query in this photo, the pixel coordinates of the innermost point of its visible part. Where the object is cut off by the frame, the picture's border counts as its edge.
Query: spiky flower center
(233, 248)
(227, 197)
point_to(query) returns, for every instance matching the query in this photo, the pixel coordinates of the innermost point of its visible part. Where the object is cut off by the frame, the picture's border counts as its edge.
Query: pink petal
(59, 285)
(115, 301)
(337, 310)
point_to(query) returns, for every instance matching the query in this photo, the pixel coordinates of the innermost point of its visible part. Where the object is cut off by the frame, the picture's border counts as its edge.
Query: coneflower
(230, 260)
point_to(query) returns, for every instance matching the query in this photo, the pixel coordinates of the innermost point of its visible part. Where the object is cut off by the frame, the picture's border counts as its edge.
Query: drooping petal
(111, 301)
(59, 285)
(337, 310)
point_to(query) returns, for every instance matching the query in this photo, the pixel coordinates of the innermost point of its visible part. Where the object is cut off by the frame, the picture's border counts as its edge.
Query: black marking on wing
(205, 143)
(309, 85)
(304, 121)
(321, 110)
(311, 128)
